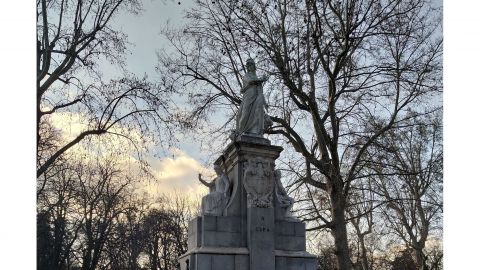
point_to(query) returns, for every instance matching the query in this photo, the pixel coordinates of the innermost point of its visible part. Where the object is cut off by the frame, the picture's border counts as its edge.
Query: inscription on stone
(262, 229)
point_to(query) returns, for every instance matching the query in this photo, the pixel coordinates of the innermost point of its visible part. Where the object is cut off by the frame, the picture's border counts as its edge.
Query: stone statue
(284, 200)
(251, 115)
(214, 202)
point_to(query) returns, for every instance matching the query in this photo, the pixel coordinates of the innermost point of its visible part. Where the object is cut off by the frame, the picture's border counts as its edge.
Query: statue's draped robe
(214, 202)
(251, 113)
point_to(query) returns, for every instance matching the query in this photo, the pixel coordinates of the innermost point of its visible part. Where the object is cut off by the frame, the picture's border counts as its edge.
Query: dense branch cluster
(344, 77)
(73, 39)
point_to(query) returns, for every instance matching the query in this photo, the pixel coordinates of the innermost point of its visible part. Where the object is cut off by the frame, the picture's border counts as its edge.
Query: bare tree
(162, 246)
(73, 37)
(103, 196)
(183, 208)
(360, 214)
(79, 211)
(127, 241)
(57, 223)
(343, 74)
(91, 216)
(413, 191)
(404, 261)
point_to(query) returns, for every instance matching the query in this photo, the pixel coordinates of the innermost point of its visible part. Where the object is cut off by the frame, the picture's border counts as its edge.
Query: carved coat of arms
(259, 183)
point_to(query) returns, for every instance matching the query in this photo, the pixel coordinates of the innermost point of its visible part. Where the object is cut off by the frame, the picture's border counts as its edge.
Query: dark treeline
(90, 217)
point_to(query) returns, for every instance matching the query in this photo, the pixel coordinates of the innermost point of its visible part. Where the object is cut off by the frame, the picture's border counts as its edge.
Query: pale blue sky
(143, 32)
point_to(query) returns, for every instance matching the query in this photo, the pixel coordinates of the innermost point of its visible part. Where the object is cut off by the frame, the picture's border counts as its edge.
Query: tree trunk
(339, 225)
(420, 257)
(154, 255)
(365, 265)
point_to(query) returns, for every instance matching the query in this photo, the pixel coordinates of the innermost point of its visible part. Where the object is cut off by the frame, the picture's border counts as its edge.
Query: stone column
(235, 159)
(250, 162)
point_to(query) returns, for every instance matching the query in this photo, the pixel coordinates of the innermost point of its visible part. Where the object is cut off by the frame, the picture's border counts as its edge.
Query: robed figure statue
(251, 115)
(215, 202)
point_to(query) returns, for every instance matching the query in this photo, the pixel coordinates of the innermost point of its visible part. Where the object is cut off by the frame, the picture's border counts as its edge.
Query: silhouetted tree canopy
(343, 74)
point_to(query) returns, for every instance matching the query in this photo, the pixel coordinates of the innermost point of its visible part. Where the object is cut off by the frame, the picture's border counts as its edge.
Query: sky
(179, 168)
(143, 31)
(17, 141)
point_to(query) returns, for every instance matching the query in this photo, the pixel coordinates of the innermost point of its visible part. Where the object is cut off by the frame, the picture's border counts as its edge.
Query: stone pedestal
(252, 233)
(261, 238)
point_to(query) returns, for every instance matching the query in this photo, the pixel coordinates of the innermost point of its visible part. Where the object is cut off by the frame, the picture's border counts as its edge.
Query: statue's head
(250, 65)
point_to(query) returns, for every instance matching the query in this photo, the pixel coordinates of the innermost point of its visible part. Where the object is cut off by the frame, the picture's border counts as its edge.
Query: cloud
(72, 124)
(178, 173)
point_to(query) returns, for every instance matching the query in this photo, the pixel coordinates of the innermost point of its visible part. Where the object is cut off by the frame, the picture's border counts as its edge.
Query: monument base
(253, 232)
(215, 243)
(238, 259)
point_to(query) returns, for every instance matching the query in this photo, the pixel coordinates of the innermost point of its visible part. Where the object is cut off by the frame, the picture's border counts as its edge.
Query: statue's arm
(205, 182)
(260, 80)
(247, 84)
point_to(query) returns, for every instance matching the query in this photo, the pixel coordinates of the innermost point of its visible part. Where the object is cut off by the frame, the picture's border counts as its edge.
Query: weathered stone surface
(261, 241)
(226, 262)
(284, 228)
(293, 254)
(203, 262)
(228, 224)
(194, 233)
(300, 229)
(280, 263)
(209, 223)
(252, 139)
(303, 261)
(241, 262)
(218, 250)
(291, 243)
(212, 257)
(220, 239)
(299, 263)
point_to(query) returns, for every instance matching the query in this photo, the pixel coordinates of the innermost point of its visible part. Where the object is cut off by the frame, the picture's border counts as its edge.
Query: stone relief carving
(285, 202)
(259, 183)
(214, 203)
